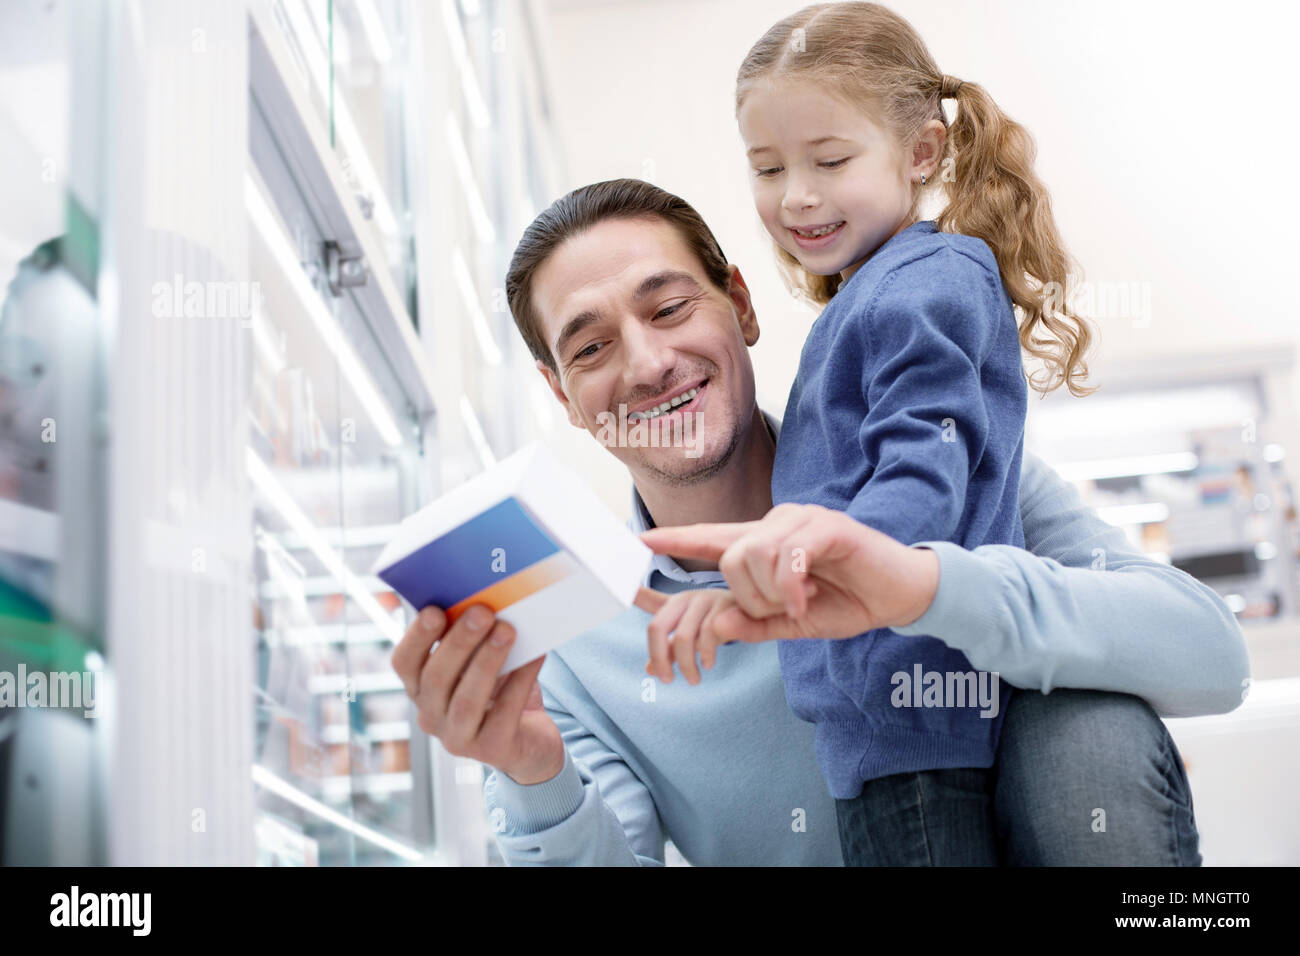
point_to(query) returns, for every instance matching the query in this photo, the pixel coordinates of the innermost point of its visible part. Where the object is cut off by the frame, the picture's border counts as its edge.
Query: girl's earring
(923, 179)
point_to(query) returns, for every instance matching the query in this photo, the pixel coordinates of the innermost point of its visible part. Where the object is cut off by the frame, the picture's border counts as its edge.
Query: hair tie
(948, 86)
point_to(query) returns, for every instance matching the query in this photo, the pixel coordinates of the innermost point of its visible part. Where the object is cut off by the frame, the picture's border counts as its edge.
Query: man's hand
(462, 702)
(864, 579)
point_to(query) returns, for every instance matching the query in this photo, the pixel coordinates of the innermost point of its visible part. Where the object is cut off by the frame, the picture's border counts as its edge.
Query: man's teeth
(666, 406)
(822, 231)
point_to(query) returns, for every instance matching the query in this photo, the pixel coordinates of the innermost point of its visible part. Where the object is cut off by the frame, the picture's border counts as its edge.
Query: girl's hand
(684, 625)
(680, 627)
(864, 578)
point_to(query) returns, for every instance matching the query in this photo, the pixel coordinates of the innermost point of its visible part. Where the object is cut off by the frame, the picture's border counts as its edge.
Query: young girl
(908, 408)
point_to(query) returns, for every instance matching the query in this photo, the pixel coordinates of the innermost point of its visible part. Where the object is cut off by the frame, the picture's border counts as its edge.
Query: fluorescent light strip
(262, 339)
(356, 536)
(362, 683)
(373, 26)
(1134, 514)
(283, 502)
(259, 210)
(476, 433)
(478, 319)
(318, 67)
(1127, 467)
(268, 543)
(288, 587)
(282, 788)
(321, 634)
(474, 102)
(288, 578)
(464, 169)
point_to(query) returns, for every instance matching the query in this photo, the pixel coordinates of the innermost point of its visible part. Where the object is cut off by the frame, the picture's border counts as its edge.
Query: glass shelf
(334, 446)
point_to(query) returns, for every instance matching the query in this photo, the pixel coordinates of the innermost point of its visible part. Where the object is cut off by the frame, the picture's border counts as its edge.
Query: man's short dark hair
(586, 207)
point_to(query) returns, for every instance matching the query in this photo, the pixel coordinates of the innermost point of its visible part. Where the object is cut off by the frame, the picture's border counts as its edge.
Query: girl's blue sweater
(908, 413)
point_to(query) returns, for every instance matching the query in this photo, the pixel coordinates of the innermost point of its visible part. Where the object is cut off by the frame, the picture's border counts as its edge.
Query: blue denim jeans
(1083, 778)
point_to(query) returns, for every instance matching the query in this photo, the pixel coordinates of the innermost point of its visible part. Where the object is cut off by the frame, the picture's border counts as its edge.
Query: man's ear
(554, 383)
(738, 292)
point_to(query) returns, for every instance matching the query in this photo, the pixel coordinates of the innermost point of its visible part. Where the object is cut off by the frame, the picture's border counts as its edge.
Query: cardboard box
(528, 539)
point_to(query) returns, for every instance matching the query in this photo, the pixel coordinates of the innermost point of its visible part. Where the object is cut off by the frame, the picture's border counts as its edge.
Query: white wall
(1164, 134)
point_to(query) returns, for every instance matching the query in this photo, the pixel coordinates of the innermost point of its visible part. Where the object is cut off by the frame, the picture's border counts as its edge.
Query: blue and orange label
(497, 559)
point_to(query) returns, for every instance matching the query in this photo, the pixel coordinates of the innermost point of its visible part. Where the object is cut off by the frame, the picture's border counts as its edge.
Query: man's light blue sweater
(908, 414)
(729, 774)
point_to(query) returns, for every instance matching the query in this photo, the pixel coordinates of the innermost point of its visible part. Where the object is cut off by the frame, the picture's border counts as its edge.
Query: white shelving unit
(271, 332)
(1195, 457)
(426, 210)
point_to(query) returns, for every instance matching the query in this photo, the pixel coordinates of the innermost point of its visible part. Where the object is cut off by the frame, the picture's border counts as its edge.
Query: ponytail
(993, 194)
(876, 59)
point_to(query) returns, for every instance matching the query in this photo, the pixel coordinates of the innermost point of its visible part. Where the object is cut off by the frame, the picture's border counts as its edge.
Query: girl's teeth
(815, 233)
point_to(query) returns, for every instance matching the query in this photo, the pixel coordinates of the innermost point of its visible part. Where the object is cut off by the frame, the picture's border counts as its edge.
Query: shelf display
(51, 464)
(333, 447)
(350, 429)
(227, 469)
(1194, 469)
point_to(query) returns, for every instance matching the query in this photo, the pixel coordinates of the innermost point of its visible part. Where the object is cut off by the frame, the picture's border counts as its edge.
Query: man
(625, 299)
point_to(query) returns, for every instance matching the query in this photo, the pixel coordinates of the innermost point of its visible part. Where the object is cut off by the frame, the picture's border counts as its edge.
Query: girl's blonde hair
(873, 58)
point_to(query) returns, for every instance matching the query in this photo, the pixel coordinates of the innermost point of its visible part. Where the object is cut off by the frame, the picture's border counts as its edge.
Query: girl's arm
(1083, 609)
(944, 395)
(1086, 610)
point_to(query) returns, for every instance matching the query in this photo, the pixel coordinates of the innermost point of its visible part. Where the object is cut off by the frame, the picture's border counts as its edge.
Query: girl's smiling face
(829, 184)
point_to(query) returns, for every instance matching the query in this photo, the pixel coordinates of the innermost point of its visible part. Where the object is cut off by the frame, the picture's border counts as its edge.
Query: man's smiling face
(632, 319)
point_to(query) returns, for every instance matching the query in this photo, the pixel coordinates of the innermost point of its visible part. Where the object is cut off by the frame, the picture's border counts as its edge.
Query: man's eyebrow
(660, 279)
(649, 285)
(572, 328)
(812, 142)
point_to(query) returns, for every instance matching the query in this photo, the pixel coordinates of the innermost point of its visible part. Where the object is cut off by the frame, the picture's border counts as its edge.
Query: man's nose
(649, 356)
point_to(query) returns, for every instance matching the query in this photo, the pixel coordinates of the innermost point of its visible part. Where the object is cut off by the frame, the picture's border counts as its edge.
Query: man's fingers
(650, 600)
(703, 541)
(508, 705)
(501, 680)
(442, 669)
(469, 702)
(535, 701)
(413, 649)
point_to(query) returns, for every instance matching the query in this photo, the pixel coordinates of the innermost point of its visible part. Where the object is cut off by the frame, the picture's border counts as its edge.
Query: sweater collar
(662, 563)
